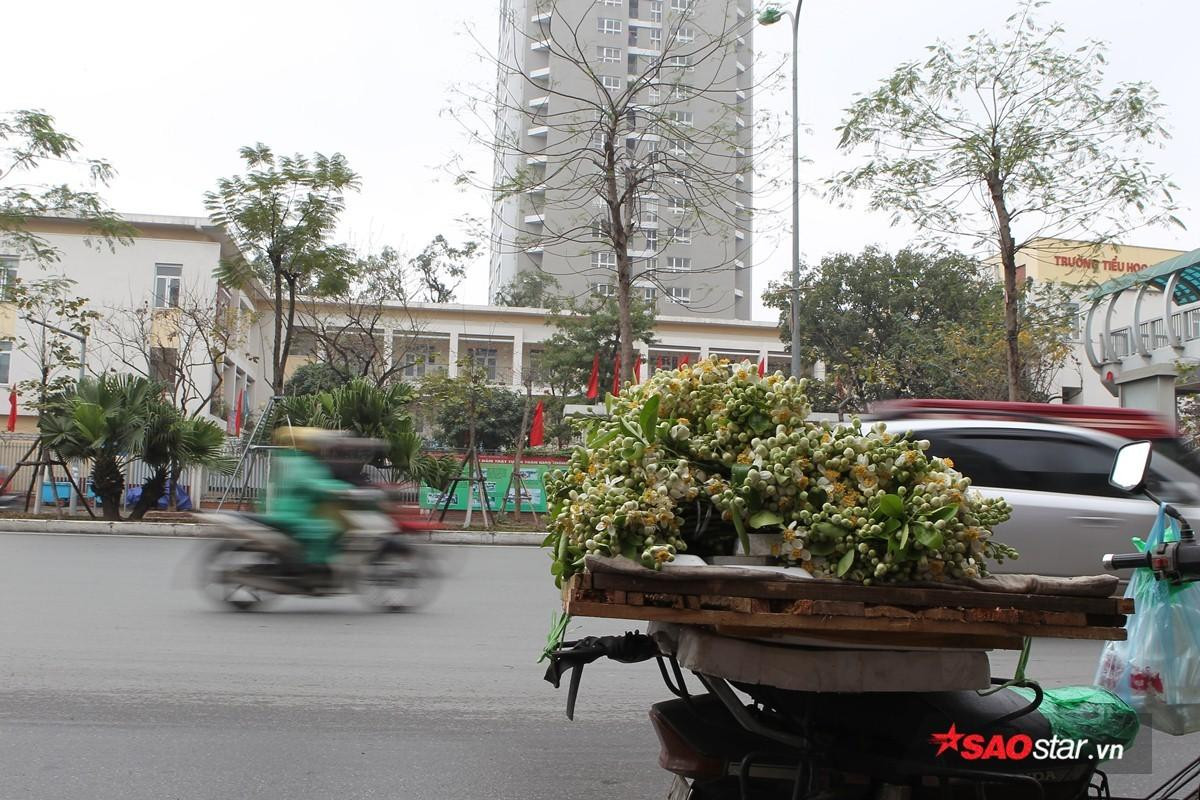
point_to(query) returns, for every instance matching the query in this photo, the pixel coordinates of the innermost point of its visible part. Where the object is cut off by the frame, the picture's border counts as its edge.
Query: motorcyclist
(299, 492)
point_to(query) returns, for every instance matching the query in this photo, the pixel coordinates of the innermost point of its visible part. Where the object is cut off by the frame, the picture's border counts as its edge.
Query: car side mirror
(1130, 466)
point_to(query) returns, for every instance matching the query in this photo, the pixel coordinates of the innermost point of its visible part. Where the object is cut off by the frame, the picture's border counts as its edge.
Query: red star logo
(946, 741)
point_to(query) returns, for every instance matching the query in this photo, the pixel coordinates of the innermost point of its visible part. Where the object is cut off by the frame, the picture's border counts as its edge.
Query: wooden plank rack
(846, 614)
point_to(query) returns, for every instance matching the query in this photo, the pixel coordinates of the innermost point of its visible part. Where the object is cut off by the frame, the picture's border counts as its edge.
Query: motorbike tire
(226, 557)
(398, 578)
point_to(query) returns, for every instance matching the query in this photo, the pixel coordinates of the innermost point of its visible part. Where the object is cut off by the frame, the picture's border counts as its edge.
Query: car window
(1018, 460)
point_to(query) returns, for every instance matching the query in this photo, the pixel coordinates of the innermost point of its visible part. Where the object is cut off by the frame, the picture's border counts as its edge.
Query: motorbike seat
(266, 522)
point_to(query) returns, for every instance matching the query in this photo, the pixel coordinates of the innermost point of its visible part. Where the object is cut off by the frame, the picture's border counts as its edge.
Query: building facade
(680, 74)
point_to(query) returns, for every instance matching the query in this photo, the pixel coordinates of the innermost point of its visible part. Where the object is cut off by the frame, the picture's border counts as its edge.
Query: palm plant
(174, 443)
(105, 421)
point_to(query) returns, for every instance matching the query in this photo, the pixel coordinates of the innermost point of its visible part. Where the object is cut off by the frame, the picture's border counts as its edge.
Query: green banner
(496, 477)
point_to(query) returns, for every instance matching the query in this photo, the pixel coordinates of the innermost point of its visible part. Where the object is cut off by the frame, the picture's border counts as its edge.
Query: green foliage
(442, 267)
(105, 421)
(529, 289)
(367, 411)
(51, 300)
(1004, 141)
(469, 400)
(313, 379)
(584, 328)
(917, 324)
(281, 213)
(27, 139)
(174, 443)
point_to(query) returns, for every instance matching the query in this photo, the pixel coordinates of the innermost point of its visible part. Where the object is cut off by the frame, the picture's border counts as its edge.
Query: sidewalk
(201, 530)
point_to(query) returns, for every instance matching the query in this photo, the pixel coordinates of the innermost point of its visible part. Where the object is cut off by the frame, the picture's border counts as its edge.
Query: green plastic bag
(1087, 713)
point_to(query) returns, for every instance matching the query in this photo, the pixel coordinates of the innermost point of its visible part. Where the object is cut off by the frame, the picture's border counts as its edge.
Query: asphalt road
(119, 680)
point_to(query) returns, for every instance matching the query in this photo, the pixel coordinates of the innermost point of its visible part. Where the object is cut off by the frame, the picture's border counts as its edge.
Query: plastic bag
(1086, 713)
(1157, 668)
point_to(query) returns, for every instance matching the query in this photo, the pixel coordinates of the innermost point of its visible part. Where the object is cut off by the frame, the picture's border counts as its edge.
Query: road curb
(198, 530)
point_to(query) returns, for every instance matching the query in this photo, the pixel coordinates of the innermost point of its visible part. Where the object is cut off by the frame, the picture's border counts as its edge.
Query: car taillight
(677, 756)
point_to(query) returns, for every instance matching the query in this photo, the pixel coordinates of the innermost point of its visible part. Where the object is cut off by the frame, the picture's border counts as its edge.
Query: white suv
(1066, 516)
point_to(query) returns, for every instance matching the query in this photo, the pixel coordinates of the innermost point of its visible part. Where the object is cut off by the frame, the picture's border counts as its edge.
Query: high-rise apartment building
(660, 91)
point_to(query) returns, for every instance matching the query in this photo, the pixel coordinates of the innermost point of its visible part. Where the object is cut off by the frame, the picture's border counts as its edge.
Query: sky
(168, 92)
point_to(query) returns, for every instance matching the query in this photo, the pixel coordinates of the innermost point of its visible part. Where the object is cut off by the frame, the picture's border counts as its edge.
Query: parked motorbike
(874, 746)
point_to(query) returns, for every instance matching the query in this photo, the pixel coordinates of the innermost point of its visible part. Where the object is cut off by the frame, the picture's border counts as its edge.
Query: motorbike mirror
(1130, 465)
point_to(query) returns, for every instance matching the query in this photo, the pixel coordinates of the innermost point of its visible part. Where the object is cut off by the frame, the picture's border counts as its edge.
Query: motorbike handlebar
(1126, 560)
(1175, 562)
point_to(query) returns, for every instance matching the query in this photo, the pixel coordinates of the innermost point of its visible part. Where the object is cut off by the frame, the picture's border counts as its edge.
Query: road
(118, 680)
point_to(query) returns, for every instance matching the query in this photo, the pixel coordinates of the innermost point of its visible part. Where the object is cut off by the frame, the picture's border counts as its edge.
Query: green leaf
(548, 540)
(820, 548)
(557, 568)
(903, 541)
(602, 439)
(845, 562)
(738, 474)
(892, 505)
(630, 430)
(649, 417)
(930, 538)
(892, 525)
(759, 423)
(764, 518)
(945, 512)
(629, 550)
(740, 525)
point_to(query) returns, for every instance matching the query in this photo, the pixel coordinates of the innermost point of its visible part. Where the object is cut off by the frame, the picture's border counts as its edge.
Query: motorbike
(257, 561)
(796, 745)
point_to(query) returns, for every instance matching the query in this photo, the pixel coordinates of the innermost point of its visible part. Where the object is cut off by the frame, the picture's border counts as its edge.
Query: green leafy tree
(313, 379)
(28, 138)
(529, 289)
(104, 420)
(172, 444)
(918, 324)
(281, 213)
(468, 407)
(583, 329)
(1007, 140)
(58, 320)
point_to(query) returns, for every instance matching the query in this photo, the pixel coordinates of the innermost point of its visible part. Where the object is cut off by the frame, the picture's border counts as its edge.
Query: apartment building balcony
(536, 161)
(740, 66)
(740, 235)
(538, 19)
(649, 52)
(541, 44)
(539, 102)
(739, 264)
(740, 122)
(538, 130)
(536, 217)
(541, 73)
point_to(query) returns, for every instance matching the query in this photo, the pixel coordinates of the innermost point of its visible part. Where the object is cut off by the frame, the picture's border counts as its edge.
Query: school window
(6, 348)
(163, 364)
(604, 289)
(679, 294)
(609, 55)
(679, 263)
(606, 25)
(681, 235)
(8, 276)
(604, 260)
(168, 280)
(484, 357)
(649, 293)
(422, 360)
(611, 83)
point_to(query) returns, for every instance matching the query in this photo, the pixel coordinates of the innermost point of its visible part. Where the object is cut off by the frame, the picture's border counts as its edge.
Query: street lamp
(769, 16)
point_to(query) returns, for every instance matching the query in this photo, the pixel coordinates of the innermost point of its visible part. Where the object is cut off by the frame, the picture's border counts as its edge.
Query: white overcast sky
(168, 92)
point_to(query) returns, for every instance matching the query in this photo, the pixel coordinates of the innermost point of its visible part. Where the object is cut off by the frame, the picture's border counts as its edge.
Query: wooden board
(882, 615)
(892, 595)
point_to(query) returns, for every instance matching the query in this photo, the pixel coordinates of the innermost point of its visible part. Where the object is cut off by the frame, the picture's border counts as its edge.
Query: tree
(364, 328)
(612, 147)
(918, 324)
(281, 214)
(313, 379)
(172, 444)
(1007, 141)
(583, 330)
(27, 139)
(183, 347)
(467, 407)
(530, 289)
(59, 326)
(103, 420)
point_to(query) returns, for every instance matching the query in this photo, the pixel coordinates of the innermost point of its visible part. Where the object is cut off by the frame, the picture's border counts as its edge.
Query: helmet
(308, 440)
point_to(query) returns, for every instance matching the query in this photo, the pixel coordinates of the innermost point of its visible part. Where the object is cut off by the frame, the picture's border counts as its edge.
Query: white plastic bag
(1157, 668)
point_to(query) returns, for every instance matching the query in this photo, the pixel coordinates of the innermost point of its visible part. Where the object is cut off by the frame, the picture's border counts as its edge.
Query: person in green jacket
(299, 495)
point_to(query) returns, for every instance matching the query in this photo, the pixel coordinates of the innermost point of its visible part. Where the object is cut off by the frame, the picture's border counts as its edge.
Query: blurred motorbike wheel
(400, 577)
(226, 560)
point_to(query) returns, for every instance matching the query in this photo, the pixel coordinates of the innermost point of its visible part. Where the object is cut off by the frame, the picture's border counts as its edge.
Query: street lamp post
(770, 16)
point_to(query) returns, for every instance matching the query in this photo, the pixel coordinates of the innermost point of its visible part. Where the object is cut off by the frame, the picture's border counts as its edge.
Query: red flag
(683, 361)
(637, 368)
(12, 410)
(237, 415)
(537, 430)
(617, 376)
(762, 367)
(593, 391)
